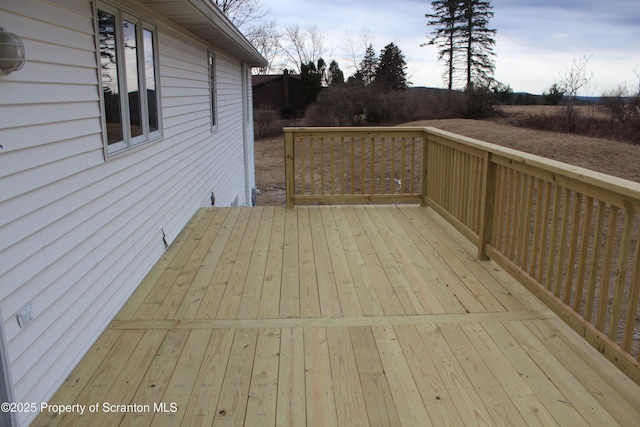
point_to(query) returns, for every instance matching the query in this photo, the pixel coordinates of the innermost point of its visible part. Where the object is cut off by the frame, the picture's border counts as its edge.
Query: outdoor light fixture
(11, 52)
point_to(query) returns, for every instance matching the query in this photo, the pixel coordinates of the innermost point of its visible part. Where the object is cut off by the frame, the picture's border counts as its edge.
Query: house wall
(79, 232)
(272, 94)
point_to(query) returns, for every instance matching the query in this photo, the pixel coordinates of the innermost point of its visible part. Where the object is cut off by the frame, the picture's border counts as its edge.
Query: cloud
(536, 39)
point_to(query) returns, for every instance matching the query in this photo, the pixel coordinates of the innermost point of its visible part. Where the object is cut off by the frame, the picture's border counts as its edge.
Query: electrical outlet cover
(25, 315)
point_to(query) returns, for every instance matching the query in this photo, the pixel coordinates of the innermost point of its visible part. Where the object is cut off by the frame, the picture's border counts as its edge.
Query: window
(128, 68)
(212, 90)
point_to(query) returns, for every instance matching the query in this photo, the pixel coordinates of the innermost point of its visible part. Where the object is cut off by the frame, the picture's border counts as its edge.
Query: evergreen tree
(479, 40)
(391, 72)
(368, 66)
(335, 74)
(446, 20)
(311, 77)
(464, 39)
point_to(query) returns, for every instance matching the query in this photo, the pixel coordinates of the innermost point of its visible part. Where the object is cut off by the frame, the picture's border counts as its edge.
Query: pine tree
(311, 77)
(464, 39)
(392, 68)
(335, 74)
(446, 19)
(479, 40)
(368, 66)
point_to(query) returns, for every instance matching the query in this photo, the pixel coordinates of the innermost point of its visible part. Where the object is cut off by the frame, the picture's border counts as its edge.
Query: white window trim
(128, 143)
(213, 89)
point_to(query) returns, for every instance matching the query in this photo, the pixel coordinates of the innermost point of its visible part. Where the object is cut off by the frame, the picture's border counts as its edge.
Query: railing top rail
(629, 189)
(626, 188)
(355, 131)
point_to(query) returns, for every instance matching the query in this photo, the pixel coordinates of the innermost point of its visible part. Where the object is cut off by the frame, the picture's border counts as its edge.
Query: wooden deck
(338, 316)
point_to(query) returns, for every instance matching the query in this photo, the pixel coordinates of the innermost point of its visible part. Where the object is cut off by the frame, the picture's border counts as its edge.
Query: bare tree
(250, 16)
(355, 50)
(243, 13)
(302, 46)
(267, 40)
(576, 77)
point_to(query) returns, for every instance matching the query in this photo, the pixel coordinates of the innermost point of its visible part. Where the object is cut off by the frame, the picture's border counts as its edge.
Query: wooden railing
(353, 165)
(569, 234)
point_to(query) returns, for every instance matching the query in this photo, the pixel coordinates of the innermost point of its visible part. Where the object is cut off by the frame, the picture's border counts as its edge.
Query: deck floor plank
(210, 302)
(625, 412)
(411, 409)
(186, 280)
(308, 278)
(263, 391)
(330, 302)
(270, 298)
(249, 304)
(291, 405)
(517, 389)
(575, 393)
(161, 267)
(366, 292)
(345, 285)
(338, 316)
(555, 401)
(468, 402)
(293, 268)
(473, 294)
(82, 374)
(434, 392)
(393, 271)
(172, 273)
(97, 388)
(208, 385)
(234, 394)
(321, 404)
(234, 288)
(155, 382)
(202, 280)
(128, 379)
(425, 282)
(375, 386)
(374, 271)
(350, 406)
(181, 384)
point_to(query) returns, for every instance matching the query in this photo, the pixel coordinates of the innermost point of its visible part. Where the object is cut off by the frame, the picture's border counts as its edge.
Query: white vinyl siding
(80, 233)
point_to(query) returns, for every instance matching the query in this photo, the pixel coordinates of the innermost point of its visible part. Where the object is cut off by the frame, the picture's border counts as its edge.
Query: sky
(536, 42)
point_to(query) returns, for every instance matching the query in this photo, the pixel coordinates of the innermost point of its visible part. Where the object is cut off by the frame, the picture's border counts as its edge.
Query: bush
(353, 105)
(337, 106)
(592, 126)
(480, 102)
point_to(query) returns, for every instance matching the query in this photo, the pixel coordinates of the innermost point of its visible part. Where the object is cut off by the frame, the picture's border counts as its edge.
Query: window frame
(213, 89)
(142, 24)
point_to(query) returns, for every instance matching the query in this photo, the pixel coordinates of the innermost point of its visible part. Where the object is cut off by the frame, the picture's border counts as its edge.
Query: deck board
(338, 315)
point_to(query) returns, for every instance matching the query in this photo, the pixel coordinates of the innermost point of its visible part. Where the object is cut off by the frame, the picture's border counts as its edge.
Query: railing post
(289, 166)
(425, 169)
(487, 200)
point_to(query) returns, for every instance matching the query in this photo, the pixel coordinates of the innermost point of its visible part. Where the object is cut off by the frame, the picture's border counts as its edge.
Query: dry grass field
(610, 157)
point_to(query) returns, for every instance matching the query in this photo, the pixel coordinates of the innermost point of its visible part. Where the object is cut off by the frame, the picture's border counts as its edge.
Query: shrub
(352, 105)
(480, 102)
(596, 127)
